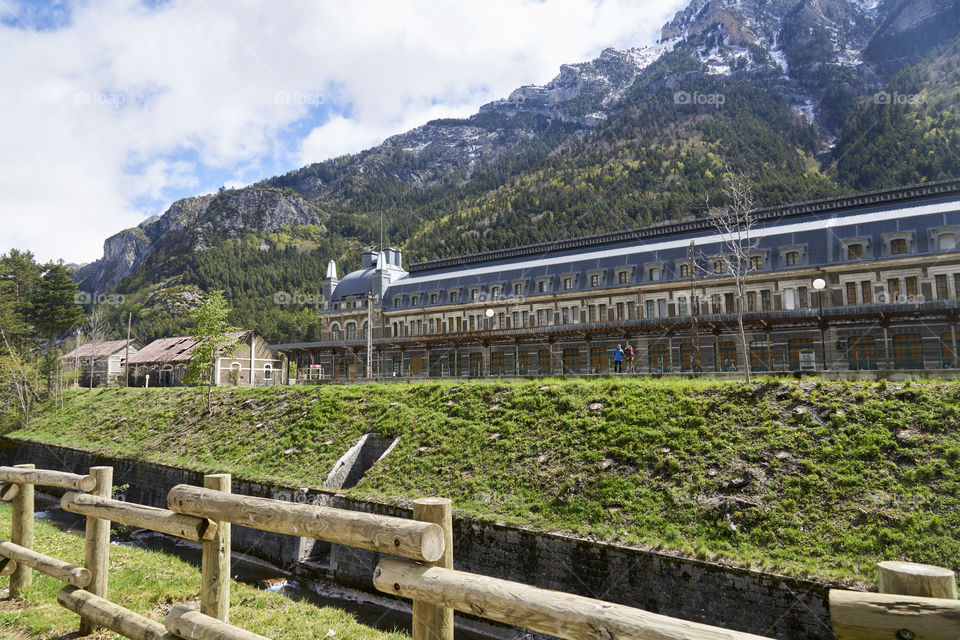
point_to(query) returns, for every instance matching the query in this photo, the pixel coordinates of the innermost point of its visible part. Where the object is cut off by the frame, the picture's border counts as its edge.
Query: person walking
(628, 358)
(618, 359)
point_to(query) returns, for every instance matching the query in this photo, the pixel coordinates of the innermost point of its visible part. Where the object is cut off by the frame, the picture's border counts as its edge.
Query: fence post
(215, 569)
(21, 533)
(912, 579)
(432, 622)
(97, 550)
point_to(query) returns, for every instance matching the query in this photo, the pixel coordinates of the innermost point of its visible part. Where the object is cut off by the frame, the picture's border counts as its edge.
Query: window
(765, 300)
(756, 262)
(453, 296)
(396, 303)
(798, 347)
(267, 371)
(685, 271)
(715, 303)
(658, 358)
(335, 332)
(650, 309)
(599, 361)
(751, 300)
(911, 283)
(518, 289)
(495, 292)
(947, 242)
(624, 277)
(865, 290)
(516, 319)
(595, 280)
(541, 286)
(620, 311)
(941, 284)
(654, 273)
(351, 331)
(565, 315)
(414, 300)
(719, 266)
(803, 300)
(541, 317)
(433, 298)
(568, 284)
(907, 351)
(571, 360)
(854, 251)
(681, 306)
(893, 289)
(956, 285)
(851, 288)
(726, 355)
(793, 258)
(473, 294)
(898, 246)
(862, 352)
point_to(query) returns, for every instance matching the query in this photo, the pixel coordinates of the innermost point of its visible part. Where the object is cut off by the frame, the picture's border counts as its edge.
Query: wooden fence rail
(421, 570)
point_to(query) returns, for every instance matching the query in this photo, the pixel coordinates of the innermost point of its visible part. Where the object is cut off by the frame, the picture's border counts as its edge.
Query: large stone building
(889, 260)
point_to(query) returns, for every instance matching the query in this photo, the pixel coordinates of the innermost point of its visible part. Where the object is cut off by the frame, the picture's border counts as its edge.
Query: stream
(261, 575)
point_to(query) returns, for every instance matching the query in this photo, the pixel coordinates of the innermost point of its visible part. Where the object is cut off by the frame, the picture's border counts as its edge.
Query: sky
(111, 110)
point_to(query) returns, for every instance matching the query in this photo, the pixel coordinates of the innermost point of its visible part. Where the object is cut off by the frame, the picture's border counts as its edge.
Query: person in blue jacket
(618, 359)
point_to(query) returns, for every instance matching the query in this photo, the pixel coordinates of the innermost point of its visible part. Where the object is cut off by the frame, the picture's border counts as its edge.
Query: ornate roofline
(821, 205)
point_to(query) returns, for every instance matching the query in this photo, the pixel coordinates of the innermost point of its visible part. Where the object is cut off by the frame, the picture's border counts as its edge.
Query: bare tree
(735, 223)
(15, 374)
(97, 330)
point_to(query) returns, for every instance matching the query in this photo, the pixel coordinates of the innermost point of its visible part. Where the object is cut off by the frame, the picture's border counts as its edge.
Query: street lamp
(819, 284)
(489, 314)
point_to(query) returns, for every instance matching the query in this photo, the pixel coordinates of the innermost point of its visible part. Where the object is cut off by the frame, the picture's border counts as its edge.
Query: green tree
(211, 334)
(54, 308)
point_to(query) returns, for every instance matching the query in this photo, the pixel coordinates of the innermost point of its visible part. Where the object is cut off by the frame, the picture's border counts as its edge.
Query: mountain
(810, 98)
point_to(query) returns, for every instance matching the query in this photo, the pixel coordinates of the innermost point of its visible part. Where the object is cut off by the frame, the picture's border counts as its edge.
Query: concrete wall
(764, 604)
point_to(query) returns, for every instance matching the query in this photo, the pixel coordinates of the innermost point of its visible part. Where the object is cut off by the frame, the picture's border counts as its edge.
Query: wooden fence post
(912, 579)
(215, 570)
(97, 551)
(21, 533)
(432, 622)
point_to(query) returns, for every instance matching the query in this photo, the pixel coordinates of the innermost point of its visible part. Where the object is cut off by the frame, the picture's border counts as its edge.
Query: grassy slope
(806, 478)
(150, 583)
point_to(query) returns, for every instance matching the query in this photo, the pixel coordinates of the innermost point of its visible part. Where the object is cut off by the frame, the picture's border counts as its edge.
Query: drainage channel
(262, 575)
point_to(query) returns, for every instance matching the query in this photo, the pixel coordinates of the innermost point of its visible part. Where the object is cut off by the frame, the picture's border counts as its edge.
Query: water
(261, 575)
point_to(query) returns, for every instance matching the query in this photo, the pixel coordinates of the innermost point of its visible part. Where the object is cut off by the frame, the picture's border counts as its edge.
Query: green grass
(812, 479)
(149, 583)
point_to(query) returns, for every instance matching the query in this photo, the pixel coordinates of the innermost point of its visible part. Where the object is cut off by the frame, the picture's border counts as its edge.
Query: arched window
(351, 331)
(363, 331)
(267, 371)
(335, 332)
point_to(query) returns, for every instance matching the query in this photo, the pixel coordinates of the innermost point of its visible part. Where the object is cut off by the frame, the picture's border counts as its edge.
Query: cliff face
(203, 221)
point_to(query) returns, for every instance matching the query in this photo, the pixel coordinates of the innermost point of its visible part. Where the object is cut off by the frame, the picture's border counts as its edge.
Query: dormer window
(433, 298)
(756, 262)
(719, 266)
(414, 300)
(568, 284)
(595, 280)
(518, 289)
(495, 293)
(899, 243)
(944, 238)
(453, 296)
(624, 277)
(473, 294)
(947, 242)
(396, 302)
(854, 251)
(684, 271)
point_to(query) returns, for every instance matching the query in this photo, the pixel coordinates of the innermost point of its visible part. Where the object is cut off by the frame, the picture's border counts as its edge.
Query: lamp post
(489, 314)
(370, 301)
(819, 284)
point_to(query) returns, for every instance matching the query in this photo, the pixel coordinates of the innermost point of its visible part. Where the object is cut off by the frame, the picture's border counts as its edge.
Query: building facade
(889, 261)
(163, 362)
(100, 364)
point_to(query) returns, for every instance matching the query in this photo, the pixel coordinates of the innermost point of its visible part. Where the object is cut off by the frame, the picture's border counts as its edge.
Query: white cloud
(127, 104)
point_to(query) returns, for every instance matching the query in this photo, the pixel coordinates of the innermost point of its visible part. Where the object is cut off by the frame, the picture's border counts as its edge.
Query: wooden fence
(916, 602)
